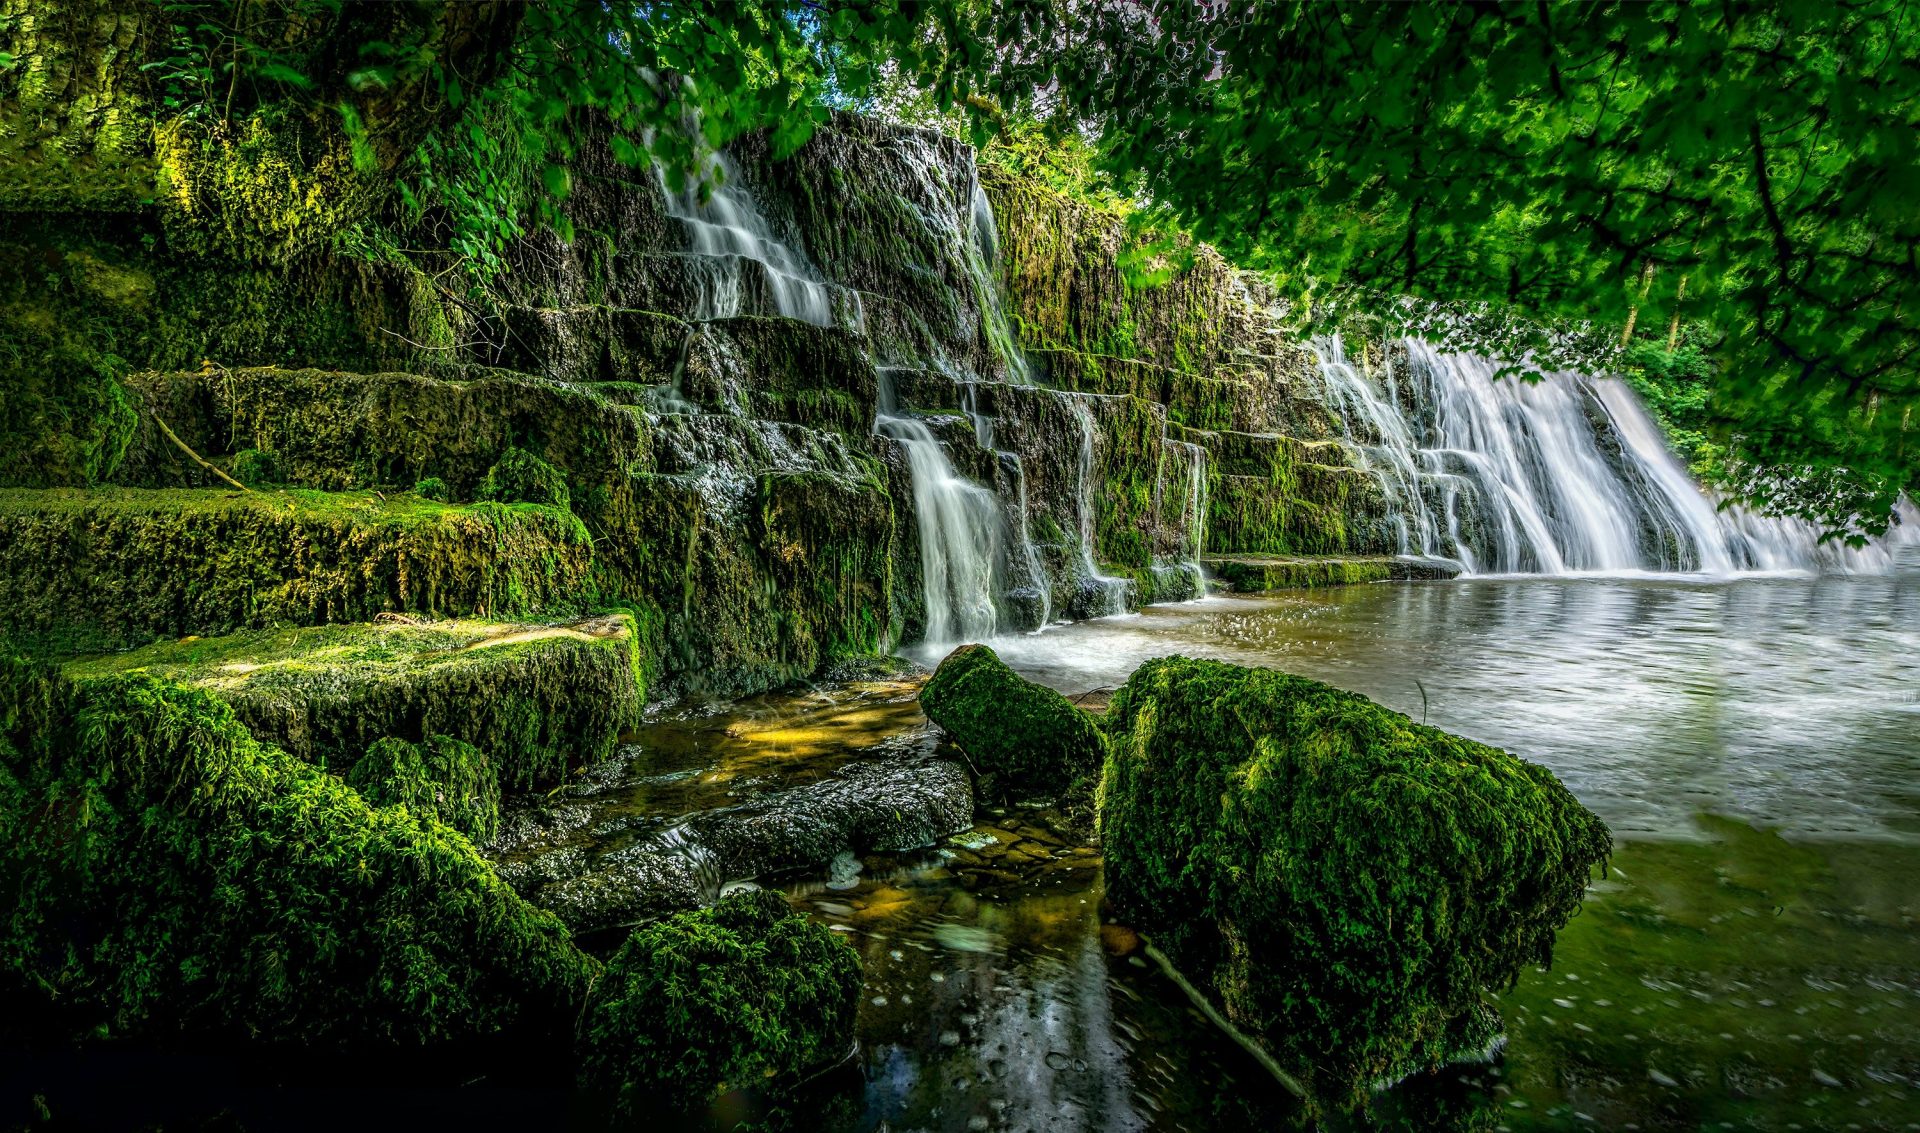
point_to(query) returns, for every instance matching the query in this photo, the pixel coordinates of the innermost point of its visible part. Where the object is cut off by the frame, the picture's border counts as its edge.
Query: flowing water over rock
(1567, 475)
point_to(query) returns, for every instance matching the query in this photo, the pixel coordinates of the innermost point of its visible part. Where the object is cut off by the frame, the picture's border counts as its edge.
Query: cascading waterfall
(725, 232)
(1567, 475)
(1109, 594)
(961, 538)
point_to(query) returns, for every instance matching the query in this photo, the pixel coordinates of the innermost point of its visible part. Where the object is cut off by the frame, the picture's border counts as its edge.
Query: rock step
(1252, 574)
(85, 571)
(340, 431)
(536, 699)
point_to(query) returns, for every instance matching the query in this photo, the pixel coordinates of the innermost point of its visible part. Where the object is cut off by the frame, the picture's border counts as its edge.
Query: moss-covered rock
(1252, 574)
(167, 873)
(1346, 884)
(117, 567)
(537, 700)
(1027, 737)
(342, 431)
(519, 477)
(744, 994)
(440, 778)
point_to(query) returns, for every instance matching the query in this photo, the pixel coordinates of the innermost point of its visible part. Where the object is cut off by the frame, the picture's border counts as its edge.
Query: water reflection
(1791, 703)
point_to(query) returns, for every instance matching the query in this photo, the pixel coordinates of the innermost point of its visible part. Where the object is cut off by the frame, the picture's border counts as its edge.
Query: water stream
(1751, 959)
(725, 233)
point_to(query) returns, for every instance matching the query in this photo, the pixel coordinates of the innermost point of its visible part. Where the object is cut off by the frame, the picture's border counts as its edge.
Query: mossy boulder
(447, 780)
(519, 477)
(1347, 885)
(110, 568)
(535, 699)
(746, 993)
(167, 873)
(1026, 737)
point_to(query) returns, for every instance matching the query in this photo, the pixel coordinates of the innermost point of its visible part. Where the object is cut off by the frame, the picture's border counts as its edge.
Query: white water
(961, 538)
(727, 229)
(1109, 594)
(1568, 475)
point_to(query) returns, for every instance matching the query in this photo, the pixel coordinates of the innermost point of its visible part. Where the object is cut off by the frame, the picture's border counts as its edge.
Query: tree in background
(1750, 167)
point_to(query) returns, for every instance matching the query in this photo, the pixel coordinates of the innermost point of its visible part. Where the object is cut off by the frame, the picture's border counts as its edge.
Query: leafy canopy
(1751, 166)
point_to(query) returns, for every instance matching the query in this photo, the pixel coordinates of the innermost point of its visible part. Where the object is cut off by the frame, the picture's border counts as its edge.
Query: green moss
(519, 477)
(744, 994)
(1029, 738)
(109, 568)
(536, 700)
(443, 779)
(254, 467)
(1254, 575)
(829, 547)
(1348, 885)
(433, 488)
(167, 874)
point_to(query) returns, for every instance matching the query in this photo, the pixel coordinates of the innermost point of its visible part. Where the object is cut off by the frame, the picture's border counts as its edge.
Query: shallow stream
(1753, 961)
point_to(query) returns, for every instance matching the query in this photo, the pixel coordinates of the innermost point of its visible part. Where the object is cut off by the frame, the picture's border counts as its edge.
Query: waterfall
(961, 538)
(1567, 475)
(1196, 513)
(983, 262)
(727, 230)
(1109, 594)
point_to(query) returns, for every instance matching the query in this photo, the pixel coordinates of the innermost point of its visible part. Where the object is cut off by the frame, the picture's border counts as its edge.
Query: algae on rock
(746, 993)
(172, 874)
(1349, 886)
(1027, 737)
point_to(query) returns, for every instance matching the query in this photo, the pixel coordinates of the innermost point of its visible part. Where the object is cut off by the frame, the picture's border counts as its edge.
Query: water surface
(1752, 961)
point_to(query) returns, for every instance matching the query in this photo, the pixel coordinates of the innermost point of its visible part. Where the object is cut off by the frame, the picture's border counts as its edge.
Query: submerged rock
(744, 994)
(881, 806)
(1025, 738)
(1346, 884)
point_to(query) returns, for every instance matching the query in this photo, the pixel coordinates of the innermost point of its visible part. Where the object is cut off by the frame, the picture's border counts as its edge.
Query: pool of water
(1752, 961)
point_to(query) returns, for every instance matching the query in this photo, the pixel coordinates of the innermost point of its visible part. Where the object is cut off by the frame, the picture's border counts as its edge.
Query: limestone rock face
(1347, 885)
(1027, 738)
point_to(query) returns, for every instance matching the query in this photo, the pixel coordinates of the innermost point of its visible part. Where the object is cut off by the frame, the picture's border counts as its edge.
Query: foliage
(1570, 162)
(1677, 387)
(731, 996)
(170, 874)
(1348, 885)
(433, 488)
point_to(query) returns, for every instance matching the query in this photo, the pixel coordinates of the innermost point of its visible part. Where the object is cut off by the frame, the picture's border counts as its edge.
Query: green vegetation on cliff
(1347, 885)
(88, 570)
